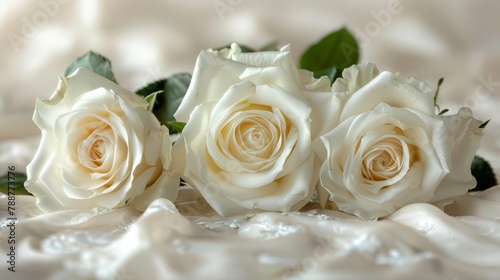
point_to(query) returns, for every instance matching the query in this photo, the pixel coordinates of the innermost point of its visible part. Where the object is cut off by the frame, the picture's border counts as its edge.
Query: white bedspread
(148, 40)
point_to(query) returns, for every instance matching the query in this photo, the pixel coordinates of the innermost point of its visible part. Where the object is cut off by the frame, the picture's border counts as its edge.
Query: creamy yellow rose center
(386, 157)
(253, 136)
(96, 147)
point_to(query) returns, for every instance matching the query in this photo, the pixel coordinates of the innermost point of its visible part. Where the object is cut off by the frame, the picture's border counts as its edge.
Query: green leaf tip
(483, 125)
(174, 127)
(95, 63)
(164, 96)
(444, 111)
(338, 50)
(273, 46)
(440, 82)
(151, 99)
(330, 73)
(13, 182)
(482, 171)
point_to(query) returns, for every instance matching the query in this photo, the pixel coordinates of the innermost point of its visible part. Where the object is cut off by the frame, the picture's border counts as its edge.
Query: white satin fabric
(148, 40)
(188, 241)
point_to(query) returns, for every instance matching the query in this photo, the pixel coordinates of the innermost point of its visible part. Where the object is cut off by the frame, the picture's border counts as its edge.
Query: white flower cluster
(261, 135)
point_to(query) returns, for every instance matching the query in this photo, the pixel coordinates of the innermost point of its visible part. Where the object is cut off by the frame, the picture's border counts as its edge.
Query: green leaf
(174, 127)
(330, 73)
(441, 112)
(269, 47)
(94, 62)
(151, 99)
(444, 111)
(485, 124)
(483, 173)
(16, 180)
(152, 88)
(175, 89)
(338, 50)
(440, 82)
(169, 94)
(245, 49)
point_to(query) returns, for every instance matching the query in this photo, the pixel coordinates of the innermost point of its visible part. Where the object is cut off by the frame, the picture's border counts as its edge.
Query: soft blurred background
(148, 40)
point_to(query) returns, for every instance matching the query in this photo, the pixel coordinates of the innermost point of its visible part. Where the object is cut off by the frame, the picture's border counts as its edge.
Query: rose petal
(214, 76)
(355, 77)
(394, 90)
(464, 129)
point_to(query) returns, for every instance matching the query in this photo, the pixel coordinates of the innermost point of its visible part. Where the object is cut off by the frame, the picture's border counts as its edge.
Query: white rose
(100, 147)
(247, 142)
(389, 148)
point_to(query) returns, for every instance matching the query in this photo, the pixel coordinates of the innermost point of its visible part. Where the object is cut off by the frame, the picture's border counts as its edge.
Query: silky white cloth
(148, 40)
(418, 241)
